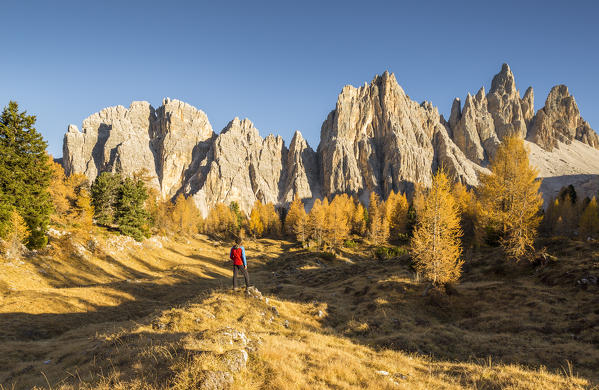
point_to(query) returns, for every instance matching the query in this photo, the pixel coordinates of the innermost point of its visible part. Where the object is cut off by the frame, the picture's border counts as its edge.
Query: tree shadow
(513, 318)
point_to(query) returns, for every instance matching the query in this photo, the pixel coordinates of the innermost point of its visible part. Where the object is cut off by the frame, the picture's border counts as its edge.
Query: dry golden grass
(153, 318)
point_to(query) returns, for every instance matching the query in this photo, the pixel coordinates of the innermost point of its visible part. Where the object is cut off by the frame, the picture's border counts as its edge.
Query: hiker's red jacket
(238, 256)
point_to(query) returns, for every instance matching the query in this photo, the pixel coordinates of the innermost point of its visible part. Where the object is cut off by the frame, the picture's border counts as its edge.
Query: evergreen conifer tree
(25, 172)
(131, 216)
(105, 194)
(5, 213)
(234, 206)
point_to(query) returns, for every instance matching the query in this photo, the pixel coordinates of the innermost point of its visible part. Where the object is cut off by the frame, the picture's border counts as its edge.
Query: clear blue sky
(282, 63)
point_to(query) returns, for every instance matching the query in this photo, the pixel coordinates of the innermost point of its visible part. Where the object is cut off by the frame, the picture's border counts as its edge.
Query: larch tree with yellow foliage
(396, 212)
(84, 210)
(71, 200)
(510, 198)
(300, 227)
(589, 221)
(185, 216)
(14, 236)
(294, 212)
(435, 246)
(317, 220)
(378, 225)
(338, 217)
(468, 210)
(296, 220)
(264, 220)
(256, 226)
(220, 221)
(358, 219)
(270, 220)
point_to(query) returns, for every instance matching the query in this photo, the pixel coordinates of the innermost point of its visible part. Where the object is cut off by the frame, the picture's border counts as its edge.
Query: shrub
(384, 253)
(350, 244)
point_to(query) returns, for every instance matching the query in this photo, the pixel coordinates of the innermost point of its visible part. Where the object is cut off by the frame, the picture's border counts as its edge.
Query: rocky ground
(112, 313)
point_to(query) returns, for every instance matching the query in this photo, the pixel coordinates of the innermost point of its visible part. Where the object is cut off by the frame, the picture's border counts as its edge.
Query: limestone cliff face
(114, 139)
(240, 166)
(485, 120)
(478, 127)
(560, 121)
(376, 139)
(303, 179)
(181, 134)
(162, 142)
(473, 128)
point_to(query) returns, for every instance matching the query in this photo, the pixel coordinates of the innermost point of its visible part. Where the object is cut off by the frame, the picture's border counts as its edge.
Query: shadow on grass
(508, 314)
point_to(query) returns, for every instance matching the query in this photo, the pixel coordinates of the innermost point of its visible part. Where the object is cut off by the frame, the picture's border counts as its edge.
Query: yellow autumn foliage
(435, 245)
(510, 198)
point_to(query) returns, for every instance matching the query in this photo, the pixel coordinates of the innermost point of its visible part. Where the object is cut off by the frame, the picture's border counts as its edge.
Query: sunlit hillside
(161, 314)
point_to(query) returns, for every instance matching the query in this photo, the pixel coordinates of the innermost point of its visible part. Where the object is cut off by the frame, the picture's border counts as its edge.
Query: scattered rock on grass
(254, 293)
(235, 359)
(587, 281)
(216, 380)
(274, 310)
(229, 336)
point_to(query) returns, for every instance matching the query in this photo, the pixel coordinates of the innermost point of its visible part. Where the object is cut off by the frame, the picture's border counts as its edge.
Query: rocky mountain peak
(503, 82)
(375, 139)
(297, 140)
(558, 96)
(560, 121)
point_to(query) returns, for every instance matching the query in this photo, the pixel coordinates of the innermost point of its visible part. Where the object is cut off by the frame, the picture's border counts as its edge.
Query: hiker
(239, 263)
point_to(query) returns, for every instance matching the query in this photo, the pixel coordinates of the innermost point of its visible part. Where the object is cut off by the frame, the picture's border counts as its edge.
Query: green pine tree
(105, 196)
(234, 206)
(131, 216)
(25, 172)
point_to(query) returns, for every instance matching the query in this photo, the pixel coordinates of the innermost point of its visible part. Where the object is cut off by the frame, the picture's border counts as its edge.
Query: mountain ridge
(375, 139)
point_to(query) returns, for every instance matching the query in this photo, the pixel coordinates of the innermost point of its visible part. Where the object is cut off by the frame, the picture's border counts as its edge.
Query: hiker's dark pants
(244, 271)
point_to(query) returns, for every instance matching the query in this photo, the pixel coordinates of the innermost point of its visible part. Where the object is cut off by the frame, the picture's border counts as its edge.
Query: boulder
(215, 380)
